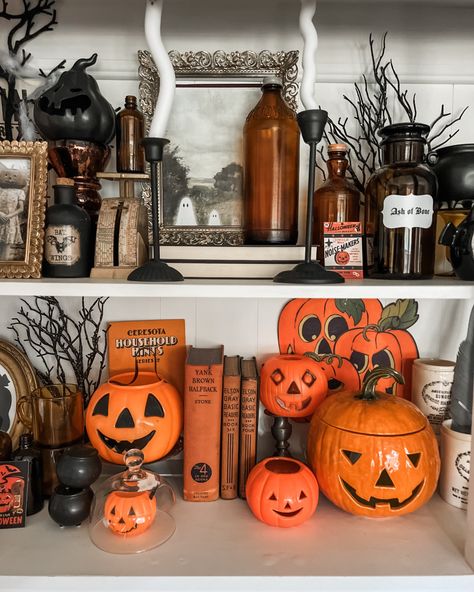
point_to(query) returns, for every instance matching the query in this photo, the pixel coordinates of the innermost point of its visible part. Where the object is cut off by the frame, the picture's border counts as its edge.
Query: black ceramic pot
(460, 240)
(79, 466)
(69, 506)
(454, 168)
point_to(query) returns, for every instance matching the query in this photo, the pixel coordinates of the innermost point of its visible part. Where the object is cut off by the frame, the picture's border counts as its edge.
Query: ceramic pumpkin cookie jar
(373, 454)
(140, 411)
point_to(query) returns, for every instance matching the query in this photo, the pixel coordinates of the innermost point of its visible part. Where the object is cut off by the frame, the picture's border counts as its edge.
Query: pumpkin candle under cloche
(374, 454)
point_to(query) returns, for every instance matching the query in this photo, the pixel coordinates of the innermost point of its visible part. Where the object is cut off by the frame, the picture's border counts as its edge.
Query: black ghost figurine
(74, 108)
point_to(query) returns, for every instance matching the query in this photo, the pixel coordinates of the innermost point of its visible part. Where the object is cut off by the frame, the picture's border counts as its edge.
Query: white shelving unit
(220, 546)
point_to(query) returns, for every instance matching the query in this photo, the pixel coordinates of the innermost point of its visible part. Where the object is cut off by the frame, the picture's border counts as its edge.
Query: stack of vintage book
(220, 424)
(246, 262)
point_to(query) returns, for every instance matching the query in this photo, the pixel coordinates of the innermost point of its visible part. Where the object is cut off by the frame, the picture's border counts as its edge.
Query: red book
(202, 423)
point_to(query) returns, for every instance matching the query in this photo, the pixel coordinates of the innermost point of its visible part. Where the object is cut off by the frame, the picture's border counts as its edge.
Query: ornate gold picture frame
(17, 379)
(23, 179)
(202, 169)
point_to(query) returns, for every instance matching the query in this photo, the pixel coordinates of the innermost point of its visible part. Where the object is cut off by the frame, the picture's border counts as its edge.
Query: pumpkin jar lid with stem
(372, 412)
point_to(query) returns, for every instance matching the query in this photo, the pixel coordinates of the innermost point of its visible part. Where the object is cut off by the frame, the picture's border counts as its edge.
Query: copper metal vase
(81, 160)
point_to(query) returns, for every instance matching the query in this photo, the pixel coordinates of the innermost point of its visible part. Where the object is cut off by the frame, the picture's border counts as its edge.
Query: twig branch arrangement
(37, 17)
(63, 343)
(371, 111)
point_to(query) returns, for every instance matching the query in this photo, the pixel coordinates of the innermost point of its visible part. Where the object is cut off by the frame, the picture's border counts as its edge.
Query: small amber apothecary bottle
(271, 169)
(337, 199)
(400, 207)
(129, 130)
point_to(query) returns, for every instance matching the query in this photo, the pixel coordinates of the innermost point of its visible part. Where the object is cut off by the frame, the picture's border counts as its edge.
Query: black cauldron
(69, 506)
(454, 168)
(79, 466)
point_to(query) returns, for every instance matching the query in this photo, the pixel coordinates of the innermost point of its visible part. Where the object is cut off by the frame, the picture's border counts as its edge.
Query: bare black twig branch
(63, 343)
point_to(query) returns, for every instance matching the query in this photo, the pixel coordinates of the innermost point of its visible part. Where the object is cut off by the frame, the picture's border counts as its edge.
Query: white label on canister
(408, 211)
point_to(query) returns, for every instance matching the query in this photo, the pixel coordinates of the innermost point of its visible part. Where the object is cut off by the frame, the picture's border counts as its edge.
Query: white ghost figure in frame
(185, 215)
(214, 219)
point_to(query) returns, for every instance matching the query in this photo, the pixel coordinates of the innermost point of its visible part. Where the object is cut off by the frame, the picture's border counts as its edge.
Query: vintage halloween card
(13, 493)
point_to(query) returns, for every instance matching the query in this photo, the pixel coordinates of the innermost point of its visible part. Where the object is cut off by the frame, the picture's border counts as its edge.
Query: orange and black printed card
(13, 493)
(148, 346)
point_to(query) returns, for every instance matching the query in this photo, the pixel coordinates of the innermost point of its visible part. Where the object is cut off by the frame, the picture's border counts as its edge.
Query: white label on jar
(408, 211)
(62, 245)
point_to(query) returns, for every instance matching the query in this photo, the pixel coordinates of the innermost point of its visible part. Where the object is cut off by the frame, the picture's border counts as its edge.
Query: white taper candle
(164, 103)
(310, 37)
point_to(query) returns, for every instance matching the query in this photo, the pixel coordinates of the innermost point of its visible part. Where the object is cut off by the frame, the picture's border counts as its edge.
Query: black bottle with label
(27, 451)
(400, 207)
(68, 235)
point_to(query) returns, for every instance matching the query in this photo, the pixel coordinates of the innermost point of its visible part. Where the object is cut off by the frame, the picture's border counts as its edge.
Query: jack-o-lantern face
(373, 455)
(292, 385)
(6, 501)
(146, 414)
(340, 373)
(282, 492)
(371, 348)
(316, 324)
(128, 513)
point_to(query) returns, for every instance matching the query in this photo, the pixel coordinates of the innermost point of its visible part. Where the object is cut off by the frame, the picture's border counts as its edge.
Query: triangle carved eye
(272, 497)
(153, 407)
(414, 458)
(351, 456)
(102, 406)
(303, 495)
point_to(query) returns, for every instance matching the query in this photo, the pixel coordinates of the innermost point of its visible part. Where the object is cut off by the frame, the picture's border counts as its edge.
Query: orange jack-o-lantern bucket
(140, 411)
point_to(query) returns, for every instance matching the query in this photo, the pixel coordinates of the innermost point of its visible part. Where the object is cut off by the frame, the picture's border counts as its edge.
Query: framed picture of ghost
(17, 379)
(202, 201)
(23, 179)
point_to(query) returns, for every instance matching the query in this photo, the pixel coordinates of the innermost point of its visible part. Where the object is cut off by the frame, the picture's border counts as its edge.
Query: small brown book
(202, 423)
(248, 421)
(230, 427)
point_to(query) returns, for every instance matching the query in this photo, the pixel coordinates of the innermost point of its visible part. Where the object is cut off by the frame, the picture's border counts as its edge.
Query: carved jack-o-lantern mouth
(121, 446)
(75, 104)
(395, 503)
(288, 514)
(294, 405)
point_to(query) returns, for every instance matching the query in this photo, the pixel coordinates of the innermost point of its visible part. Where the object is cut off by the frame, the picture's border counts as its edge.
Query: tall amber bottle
(129, 132)
(400, 207)
(271, 169)
(337, 199)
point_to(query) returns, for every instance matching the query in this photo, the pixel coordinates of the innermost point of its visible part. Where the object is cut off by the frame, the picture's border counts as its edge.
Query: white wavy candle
(310, 37)
(164, 103)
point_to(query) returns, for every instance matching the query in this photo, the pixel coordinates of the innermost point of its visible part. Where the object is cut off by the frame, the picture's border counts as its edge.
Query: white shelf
(438, 288)
(221, 546)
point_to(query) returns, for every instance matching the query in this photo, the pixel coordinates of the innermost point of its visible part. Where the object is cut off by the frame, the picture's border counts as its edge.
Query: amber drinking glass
(271, 170)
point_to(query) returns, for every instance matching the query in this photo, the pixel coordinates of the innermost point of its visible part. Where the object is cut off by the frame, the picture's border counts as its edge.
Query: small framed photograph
(17, 379)
(23, 179)
(202, 200)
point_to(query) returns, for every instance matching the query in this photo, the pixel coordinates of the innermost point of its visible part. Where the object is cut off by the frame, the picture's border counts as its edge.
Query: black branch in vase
(371, 111)
(66, 345)
(29, 19)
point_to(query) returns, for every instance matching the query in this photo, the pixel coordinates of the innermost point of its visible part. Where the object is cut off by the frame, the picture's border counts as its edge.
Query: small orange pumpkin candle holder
(134, 410)
(374, 454)
(129, 513)
(282, 492)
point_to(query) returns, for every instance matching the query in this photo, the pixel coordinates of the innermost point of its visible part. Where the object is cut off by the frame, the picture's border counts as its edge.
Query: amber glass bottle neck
(337, 165)
(404, 151)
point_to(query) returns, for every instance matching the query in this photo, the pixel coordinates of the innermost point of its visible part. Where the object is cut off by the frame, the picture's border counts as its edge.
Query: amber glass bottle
(337, 199)
(400, 203)
(129, 130)
(271, 169)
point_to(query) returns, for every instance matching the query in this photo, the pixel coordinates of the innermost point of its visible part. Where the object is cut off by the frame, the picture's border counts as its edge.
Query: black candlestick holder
(155, 270)
(311, 124)
(281, 431)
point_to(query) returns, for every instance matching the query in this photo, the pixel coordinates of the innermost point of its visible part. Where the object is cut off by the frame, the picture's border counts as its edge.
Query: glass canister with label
(68, 235)
(400, 207)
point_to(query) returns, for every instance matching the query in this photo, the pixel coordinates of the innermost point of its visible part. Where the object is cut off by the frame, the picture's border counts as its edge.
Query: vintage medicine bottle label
(62, 245)
(408, 211)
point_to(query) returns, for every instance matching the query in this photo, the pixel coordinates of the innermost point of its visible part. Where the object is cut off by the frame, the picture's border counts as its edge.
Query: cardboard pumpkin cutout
(316, 324)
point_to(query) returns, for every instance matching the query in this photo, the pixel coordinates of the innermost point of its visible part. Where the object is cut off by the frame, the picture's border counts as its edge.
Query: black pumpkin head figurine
(74, 108)
(460, 240)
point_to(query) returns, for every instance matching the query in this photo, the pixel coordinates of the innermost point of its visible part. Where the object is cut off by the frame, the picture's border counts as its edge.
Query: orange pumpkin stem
(370, 382)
